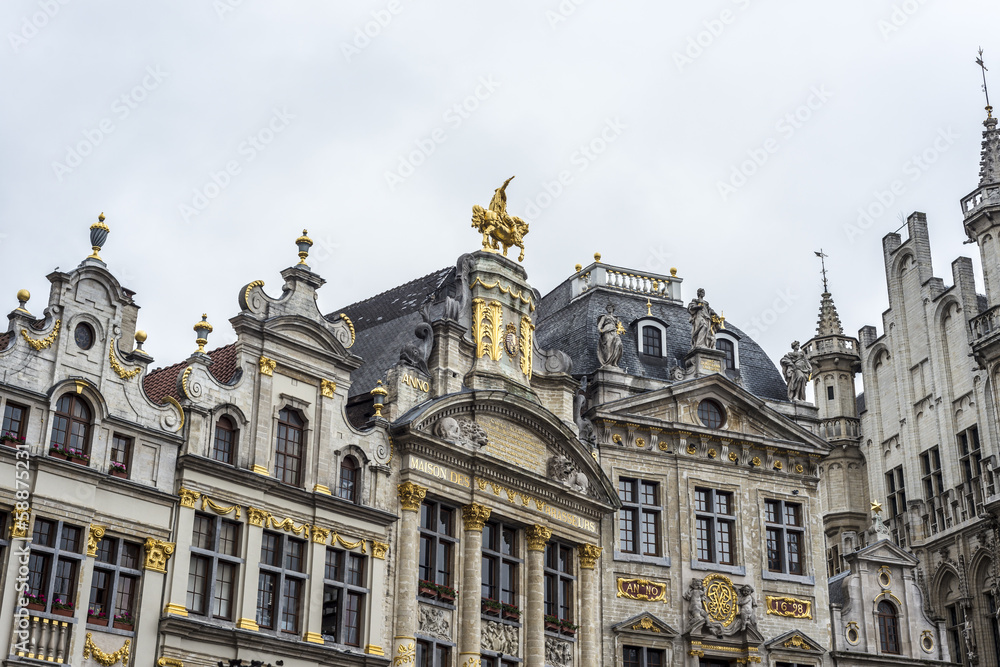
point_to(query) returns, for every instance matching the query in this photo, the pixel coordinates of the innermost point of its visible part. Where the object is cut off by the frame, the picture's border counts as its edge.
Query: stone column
(534, 610)
(471, 593)
(404, 642)
(589, 630)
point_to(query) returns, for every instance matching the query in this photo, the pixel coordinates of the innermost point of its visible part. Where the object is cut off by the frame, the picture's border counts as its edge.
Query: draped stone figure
(796, 368)
(609, 347)
(702, 326)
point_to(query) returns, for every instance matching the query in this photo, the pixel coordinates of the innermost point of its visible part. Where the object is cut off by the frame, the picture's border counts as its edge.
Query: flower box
(551, 624)
(11, 440)
(120, 625)
(97, 620)
(446, 593)
(58, 454)
(511, 613)
(36, 606)
(62, 612)
(121, 474)
(491, 607)
(427, 589)
(569, 632)
(80, 460)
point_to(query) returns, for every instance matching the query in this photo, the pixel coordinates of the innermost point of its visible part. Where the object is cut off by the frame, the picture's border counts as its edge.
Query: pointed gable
(647, 625)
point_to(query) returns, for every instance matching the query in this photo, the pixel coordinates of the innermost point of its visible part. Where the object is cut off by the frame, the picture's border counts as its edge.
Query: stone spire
(829, 320)
(989, 162)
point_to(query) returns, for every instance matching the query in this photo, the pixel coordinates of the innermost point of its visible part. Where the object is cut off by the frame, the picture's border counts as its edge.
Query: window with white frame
(652, 338)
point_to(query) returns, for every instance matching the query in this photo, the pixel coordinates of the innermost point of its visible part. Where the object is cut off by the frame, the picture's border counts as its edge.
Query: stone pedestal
(704, 361)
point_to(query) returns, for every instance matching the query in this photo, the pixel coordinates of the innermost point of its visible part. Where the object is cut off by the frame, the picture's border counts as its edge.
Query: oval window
(710, 413)
(84, 336)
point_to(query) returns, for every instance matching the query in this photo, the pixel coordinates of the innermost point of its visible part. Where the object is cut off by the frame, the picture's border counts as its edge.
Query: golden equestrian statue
(497, 227)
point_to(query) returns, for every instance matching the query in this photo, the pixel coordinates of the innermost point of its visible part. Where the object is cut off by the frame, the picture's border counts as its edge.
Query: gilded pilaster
(404, 642)
(474, 516)
(534, 612)
(177, 580)
(589, 633)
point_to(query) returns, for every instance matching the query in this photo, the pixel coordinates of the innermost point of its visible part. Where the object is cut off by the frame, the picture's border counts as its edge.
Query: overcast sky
(728, 139)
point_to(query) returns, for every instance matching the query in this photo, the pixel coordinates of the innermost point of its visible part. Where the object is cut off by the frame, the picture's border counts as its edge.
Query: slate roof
(384, 323)
(860, 403)
(571, 326)
(5, 339)
(836, 589)
(162, 382)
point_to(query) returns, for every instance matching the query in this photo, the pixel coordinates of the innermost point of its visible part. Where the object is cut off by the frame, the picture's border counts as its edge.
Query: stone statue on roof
(797, 369)
(609, 345)
(704, 322)
(497, 226)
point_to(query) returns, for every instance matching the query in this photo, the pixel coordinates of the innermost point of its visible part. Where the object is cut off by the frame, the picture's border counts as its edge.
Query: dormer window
(728, 343)
(652, 338)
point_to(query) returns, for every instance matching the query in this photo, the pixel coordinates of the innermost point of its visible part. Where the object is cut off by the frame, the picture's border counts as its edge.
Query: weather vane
(822, 261)
(982, 65)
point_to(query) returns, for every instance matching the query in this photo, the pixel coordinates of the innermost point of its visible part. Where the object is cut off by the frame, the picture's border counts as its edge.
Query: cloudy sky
(728, 139)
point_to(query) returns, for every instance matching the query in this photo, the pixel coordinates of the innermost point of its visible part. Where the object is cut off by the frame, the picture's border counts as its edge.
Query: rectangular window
(281, 581)
(834, 566)
(213, 576)
(433, 654)
(651, 342)
(15, 420)
(895, 485)
(715, 523)
(639, 518)
(969, 453)
(344, 596)
(559, 581)
(829, 393)
(54, 563)
(783, 524)
(641, 656)
(437, 543)
(500, 563)
(121, 451)
(115, 585)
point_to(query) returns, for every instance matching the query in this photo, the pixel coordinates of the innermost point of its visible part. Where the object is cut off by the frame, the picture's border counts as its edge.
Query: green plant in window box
(36, 601)
(117, 469)
(62, 607)
(491, 606)
(97, 617)
(551, 623)
(567, 628)
(446, 593)
(11, 439)
(124, 621)
(427, 589)
(57, 452)
(78, 456)
(511, 612)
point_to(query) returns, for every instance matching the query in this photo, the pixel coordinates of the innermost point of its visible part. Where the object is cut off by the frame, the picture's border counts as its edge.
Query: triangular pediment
(744, 413)
(645, 624)
(885, 552)
(795, 640)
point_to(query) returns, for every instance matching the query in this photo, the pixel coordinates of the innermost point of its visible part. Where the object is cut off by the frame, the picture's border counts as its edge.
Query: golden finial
(673, 272)
(877, 507)
(304, 243)
(597, 257)
(578, 267)
(202, 329)
(23, 296)
(649, 308)
(98, 235)
(378, 394)
(140, 338)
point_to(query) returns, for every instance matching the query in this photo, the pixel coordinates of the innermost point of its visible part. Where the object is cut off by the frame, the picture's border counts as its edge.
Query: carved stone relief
(562, 470)
(462, 432)
(558, 653)
(435, 622)
(500, 638)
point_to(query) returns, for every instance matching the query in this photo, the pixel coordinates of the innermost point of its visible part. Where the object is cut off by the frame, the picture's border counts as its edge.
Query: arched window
(288, 449)
(71, 426)
(226, 439)
(652, 341)
(888, 627)
(729, 348)
(348, 489)
(711, 413)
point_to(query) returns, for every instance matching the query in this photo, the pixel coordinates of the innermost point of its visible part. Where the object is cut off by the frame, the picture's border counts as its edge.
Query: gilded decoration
(90, 650)
(786, 606)
(691, 449)
(175, 609)
(117, 367)
(712, 453)
(313, 638)
(491, 327)
(640, 443)
(289, 526)
(267, 366)
(506, 289)
(246, 292)
(188, 497)
(257, 517)
(720, 598)
(755, 461)
(337, 539)
(374, 649)
(474, 516)
(411, 495)
(777, 465)
(527, 335)
(927, 640)
(42, 343)
(797, 642)
(646, 624)
(169, 662)
(157, 554)
(207, 502)
(799, 468)
(497, 227)
(94, 535)
(642, 589)
(247, 624)
(734, 457)
(320, 535)
(537, 537)
(884, 577)
(510, 341)
(19, 527)
(173, 401)
(379, 549)
(478, 326)
(327, 387)
(350, 326)
(589, 553)
(406, 654)
(184, 380)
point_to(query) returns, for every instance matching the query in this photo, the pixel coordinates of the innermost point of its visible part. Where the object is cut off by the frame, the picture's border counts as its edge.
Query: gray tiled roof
(571, 326)
(384, 323)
